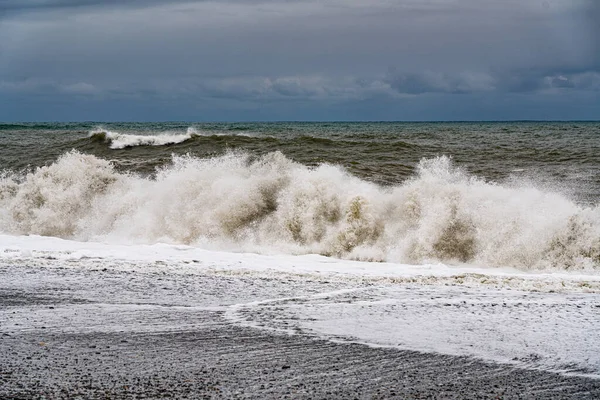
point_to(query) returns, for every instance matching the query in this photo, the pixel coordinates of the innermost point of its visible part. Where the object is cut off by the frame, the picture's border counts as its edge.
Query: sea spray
(273, 204)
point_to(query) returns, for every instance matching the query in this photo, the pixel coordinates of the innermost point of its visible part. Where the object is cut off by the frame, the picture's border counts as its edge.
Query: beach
(101, 327)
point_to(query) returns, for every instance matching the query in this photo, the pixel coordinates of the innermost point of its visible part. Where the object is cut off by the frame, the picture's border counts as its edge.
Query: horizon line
(289, 121)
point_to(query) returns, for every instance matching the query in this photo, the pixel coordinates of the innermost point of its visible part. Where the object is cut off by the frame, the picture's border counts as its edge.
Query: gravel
(69, 336)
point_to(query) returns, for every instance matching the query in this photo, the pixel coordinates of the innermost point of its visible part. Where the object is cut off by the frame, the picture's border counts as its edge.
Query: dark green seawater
(564, 155)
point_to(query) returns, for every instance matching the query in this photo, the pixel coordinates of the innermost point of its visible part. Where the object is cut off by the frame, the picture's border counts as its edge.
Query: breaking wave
(273, 204)
(121, 140)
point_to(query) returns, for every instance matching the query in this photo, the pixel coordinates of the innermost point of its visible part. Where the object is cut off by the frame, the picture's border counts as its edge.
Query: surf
(273, 205)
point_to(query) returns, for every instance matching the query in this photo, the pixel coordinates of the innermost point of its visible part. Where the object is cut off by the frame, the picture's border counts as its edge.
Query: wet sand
(68, 333)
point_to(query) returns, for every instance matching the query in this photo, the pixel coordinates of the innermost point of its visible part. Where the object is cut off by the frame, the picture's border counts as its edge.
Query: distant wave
(8, 126)
(117, 140)
(121, 140)
(273, 204)
(34, 125)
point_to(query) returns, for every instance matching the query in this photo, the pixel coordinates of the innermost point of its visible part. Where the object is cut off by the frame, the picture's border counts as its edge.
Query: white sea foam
(121, 140)
(49, 252)
(549, 321)
(274, 205)
(549, 331)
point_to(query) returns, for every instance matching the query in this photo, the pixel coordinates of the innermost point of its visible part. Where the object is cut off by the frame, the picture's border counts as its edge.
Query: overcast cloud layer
(299, 60)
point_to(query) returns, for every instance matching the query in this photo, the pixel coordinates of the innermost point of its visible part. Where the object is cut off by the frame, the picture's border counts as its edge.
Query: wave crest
(121, 140)
(272, 204)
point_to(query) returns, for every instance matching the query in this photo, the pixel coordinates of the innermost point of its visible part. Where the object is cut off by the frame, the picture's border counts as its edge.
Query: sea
(477, 239)
(500, 194)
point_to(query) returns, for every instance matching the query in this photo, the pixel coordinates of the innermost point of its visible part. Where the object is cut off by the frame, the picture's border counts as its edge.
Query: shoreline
(69, 333)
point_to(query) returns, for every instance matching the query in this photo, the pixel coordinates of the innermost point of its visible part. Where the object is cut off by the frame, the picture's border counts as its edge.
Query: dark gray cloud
(527, 81)
(15, 6)
(593, 25)
(30, 5)
(262, 54)
(391, 85)
(515, 81)
(429, 82)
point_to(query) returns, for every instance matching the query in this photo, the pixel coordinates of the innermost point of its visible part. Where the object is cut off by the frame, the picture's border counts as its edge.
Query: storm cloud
(301, 60)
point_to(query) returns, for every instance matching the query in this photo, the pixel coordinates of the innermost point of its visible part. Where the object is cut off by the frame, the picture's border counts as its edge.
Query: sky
(316, 60)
